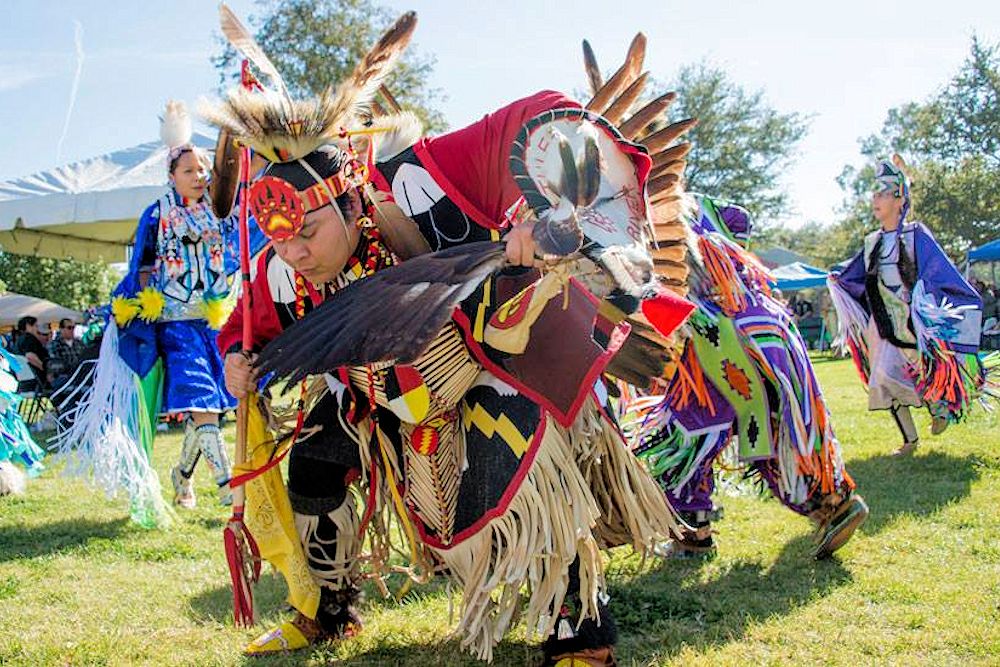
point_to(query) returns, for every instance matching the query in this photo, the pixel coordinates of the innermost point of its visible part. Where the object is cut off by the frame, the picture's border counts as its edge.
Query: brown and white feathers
(646, 124)
(283, 129)
(241, 40)
(392, 134)
(349, 328)
(355, 95)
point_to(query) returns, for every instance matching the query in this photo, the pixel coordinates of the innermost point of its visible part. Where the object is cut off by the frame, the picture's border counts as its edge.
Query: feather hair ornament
(897, 160)
(900, 163)
(282, 129)
(175, 125)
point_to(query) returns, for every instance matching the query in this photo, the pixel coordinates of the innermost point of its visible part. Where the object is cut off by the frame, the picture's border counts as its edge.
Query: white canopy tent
(85, 210)
(14, 306)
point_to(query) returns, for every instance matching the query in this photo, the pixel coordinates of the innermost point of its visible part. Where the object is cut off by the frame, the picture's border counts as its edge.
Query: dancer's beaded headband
(281, 199)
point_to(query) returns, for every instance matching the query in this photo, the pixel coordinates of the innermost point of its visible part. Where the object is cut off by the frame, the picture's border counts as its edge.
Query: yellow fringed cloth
(268, 513)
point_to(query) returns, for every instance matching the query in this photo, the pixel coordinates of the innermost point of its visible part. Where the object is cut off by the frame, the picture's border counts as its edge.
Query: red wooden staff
(242, 553)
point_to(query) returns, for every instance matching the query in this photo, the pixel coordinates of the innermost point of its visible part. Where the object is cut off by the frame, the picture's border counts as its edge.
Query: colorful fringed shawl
(942, 317)
(745, 371)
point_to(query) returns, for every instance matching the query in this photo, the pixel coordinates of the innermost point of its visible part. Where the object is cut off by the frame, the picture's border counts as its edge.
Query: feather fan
(351, 327)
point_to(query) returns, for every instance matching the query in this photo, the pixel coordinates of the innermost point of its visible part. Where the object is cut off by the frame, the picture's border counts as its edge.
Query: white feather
(400, 131)
(175, 125)
(934, 320)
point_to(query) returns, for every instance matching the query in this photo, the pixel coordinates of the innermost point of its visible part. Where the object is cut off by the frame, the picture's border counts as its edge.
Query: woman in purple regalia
(909, 318)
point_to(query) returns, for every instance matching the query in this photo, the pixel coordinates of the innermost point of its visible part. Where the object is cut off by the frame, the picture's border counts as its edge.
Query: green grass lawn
(919, 584)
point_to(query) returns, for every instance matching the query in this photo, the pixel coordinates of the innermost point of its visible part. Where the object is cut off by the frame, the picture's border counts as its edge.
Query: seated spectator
(989, 297)
(30, 343)
(803, 308)
(65, 352)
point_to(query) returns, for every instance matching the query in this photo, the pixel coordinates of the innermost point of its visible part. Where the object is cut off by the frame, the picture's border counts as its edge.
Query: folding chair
(33, 397)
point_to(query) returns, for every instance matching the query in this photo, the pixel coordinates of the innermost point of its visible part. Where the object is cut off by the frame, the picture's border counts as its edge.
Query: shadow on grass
(17, 542)
(216, 604)
(823, 357)
(658, 612)
(430, 654)
(661, 611)
(917, 485)
(210, 522)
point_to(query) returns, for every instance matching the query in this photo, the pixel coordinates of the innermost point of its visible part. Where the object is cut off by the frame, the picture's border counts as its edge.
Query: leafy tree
(316, 43)
(808, 240)
(952, 144)
(69, 283)
(741, 145)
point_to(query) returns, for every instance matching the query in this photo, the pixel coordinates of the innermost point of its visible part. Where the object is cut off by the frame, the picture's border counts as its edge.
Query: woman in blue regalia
(161, 356)
(180, 261)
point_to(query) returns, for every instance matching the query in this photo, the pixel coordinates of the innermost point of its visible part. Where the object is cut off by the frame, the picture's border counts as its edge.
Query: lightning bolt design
(489, 425)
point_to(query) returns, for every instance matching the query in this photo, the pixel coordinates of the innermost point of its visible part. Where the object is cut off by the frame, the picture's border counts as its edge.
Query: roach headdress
(308, 141)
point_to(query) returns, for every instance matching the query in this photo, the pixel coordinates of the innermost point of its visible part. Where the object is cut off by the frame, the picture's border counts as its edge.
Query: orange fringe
(691, 383)
(944, 382)
(755, 270)
(725, 279)
(819, 465)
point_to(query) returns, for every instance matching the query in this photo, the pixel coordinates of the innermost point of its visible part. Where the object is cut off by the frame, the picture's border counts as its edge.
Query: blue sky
(845, 63)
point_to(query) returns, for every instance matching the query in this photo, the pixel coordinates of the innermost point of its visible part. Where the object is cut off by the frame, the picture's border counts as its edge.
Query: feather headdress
(283, 129)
